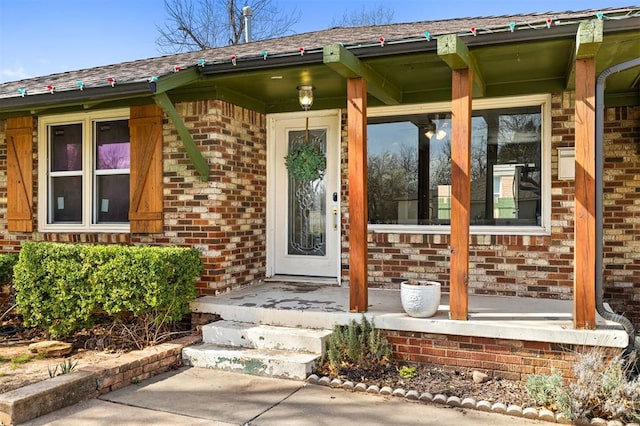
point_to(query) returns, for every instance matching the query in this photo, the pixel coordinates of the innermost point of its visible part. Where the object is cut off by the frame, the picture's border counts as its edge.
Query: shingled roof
(353, 38)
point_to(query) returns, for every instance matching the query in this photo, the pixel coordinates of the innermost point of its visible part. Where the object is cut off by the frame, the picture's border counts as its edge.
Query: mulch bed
(436, 380)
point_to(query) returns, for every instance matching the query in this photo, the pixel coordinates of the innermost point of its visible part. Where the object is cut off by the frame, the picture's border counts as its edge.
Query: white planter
(420, 300)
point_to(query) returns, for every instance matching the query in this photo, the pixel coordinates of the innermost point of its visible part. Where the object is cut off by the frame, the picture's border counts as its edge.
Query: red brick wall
(622, 211)
(509, 359)
(224, 218)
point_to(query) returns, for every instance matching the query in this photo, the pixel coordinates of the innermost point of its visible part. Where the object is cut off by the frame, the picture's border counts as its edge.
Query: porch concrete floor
(322, 305)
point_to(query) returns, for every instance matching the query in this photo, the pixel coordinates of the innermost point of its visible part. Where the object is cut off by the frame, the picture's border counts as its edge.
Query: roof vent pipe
(247, 13)
(599, 184)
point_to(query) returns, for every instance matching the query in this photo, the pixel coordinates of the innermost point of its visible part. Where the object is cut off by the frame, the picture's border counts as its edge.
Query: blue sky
(42, 37)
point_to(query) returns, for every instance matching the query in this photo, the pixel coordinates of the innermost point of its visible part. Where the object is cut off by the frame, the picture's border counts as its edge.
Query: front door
(304, 214)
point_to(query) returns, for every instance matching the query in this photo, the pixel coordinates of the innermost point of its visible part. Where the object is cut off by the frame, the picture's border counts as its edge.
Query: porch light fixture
(305, 96)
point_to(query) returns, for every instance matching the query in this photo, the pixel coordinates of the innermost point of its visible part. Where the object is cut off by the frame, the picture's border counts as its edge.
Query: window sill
(66, 229)
(446, 230)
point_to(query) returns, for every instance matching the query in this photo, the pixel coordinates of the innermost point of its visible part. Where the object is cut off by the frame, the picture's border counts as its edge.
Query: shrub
(357, 344)
(604, 389)
(7, 262)
(61, 287)
(7, 293)
(52, 287)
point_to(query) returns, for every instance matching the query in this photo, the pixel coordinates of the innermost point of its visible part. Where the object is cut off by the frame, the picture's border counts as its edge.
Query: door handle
(335, 211)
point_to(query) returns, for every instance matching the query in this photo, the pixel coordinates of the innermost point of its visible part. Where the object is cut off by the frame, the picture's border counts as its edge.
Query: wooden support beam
(357, 163)
(199, 162)
(584, 304)
(589, 38)
(345, 63)
(460, 192)
(177, 79)
(453, 51)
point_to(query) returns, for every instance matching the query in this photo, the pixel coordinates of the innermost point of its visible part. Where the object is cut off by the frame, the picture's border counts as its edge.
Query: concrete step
(263, 362)
(257, 336)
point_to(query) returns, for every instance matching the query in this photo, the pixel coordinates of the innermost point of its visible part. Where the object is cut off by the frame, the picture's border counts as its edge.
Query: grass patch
(19, 360)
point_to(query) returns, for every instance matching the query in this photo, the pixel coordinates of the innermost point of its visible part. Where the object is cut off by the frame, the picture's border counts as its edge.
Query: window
(84, 176)
(409, 167)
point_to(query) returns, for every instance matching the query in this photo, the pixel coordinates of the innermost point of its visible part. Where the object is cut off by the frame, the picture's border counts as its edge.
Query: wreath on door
(306, 162)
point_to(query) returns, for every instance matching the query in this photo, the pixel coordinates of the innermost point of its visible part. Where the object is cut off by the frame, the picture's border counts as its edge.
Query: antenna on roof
(247, 13)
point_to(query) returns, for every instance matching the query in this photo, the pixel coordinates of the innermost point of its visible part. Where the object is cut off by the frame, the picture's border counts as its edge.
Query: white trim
(86, 119)
(544, 100)
(272, 120)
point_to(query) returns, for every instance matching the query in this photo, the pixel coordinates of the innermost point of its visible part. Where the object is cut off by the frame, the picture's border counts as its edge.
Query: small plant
(358, 344)
(604, 389)
(134, 380)
(65, 367)
(547, 391)
(53, 372)
(17, 361)
(408, 372)
(68, 366)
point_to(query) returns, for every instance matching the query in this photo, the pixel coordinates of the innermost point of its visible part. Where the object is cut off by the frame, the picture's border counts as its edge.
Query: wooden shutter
(145, 211)
(20, 174)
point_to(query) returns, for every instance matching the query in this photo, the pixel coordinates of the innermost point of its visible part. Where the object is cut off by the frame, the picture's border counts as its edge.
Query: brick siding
(225, 218)
(509, 359)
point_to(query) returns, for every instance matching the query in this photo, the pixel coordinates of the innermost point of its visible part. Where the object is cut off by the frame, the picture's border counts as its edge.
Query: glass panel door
(307, 208)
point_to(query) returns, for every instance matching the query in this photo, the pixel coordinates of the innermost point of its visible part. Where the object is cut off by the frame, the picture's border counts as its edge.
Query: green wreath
(306, 162)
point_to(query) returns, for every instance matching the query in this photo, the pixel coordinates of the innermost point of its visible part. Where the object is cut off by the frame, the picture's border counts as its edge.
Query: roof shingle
(313, 42)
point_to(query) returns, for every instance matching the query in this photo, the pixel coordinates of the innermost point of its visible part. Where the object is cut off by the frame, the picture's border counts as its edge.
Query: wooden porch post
(585, 224)
(460, 191)
(358, 207)
(588, 41)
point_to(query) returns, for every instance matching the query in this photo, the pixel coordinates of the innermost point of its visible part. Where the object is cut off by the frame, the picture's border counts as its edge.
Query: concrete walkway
(195, 396)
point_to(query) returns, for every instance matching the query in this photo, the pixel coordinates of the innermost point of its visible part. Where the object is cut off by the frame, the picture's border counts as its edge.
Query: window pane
(66, 205)
(505, 166)
(409, 171)
(409, 168)
(112, 145)
(112, 198)
(66, 147)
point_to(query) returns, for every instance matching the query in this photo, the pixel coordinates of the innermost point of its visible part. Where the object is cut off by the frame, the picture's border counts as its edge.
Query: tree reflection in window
(409, 168)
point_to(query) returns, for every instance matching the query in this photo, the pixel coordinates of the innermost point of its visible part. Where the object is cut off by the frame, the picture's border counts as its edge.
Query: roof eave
(412, 46)
(68, 98)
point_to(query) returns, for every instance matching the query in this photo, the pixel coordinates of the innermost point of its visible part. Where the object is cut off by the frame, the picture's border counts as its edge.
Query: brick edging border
(451, 401)
(38, 399)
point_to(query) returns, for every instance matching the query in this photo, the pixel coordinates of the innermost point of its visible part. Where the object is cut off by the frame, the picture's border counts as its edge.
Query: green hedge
(7, 262)
(61, 287)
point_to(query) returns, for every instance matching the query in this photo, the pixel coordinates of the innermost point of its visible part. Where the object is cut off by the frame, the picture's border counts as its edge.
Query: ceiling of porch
(420, 75)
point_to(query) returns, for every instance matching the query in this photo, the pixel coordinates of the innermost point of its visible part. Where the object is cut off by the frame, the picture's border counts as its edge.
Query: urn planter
(420, 298)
